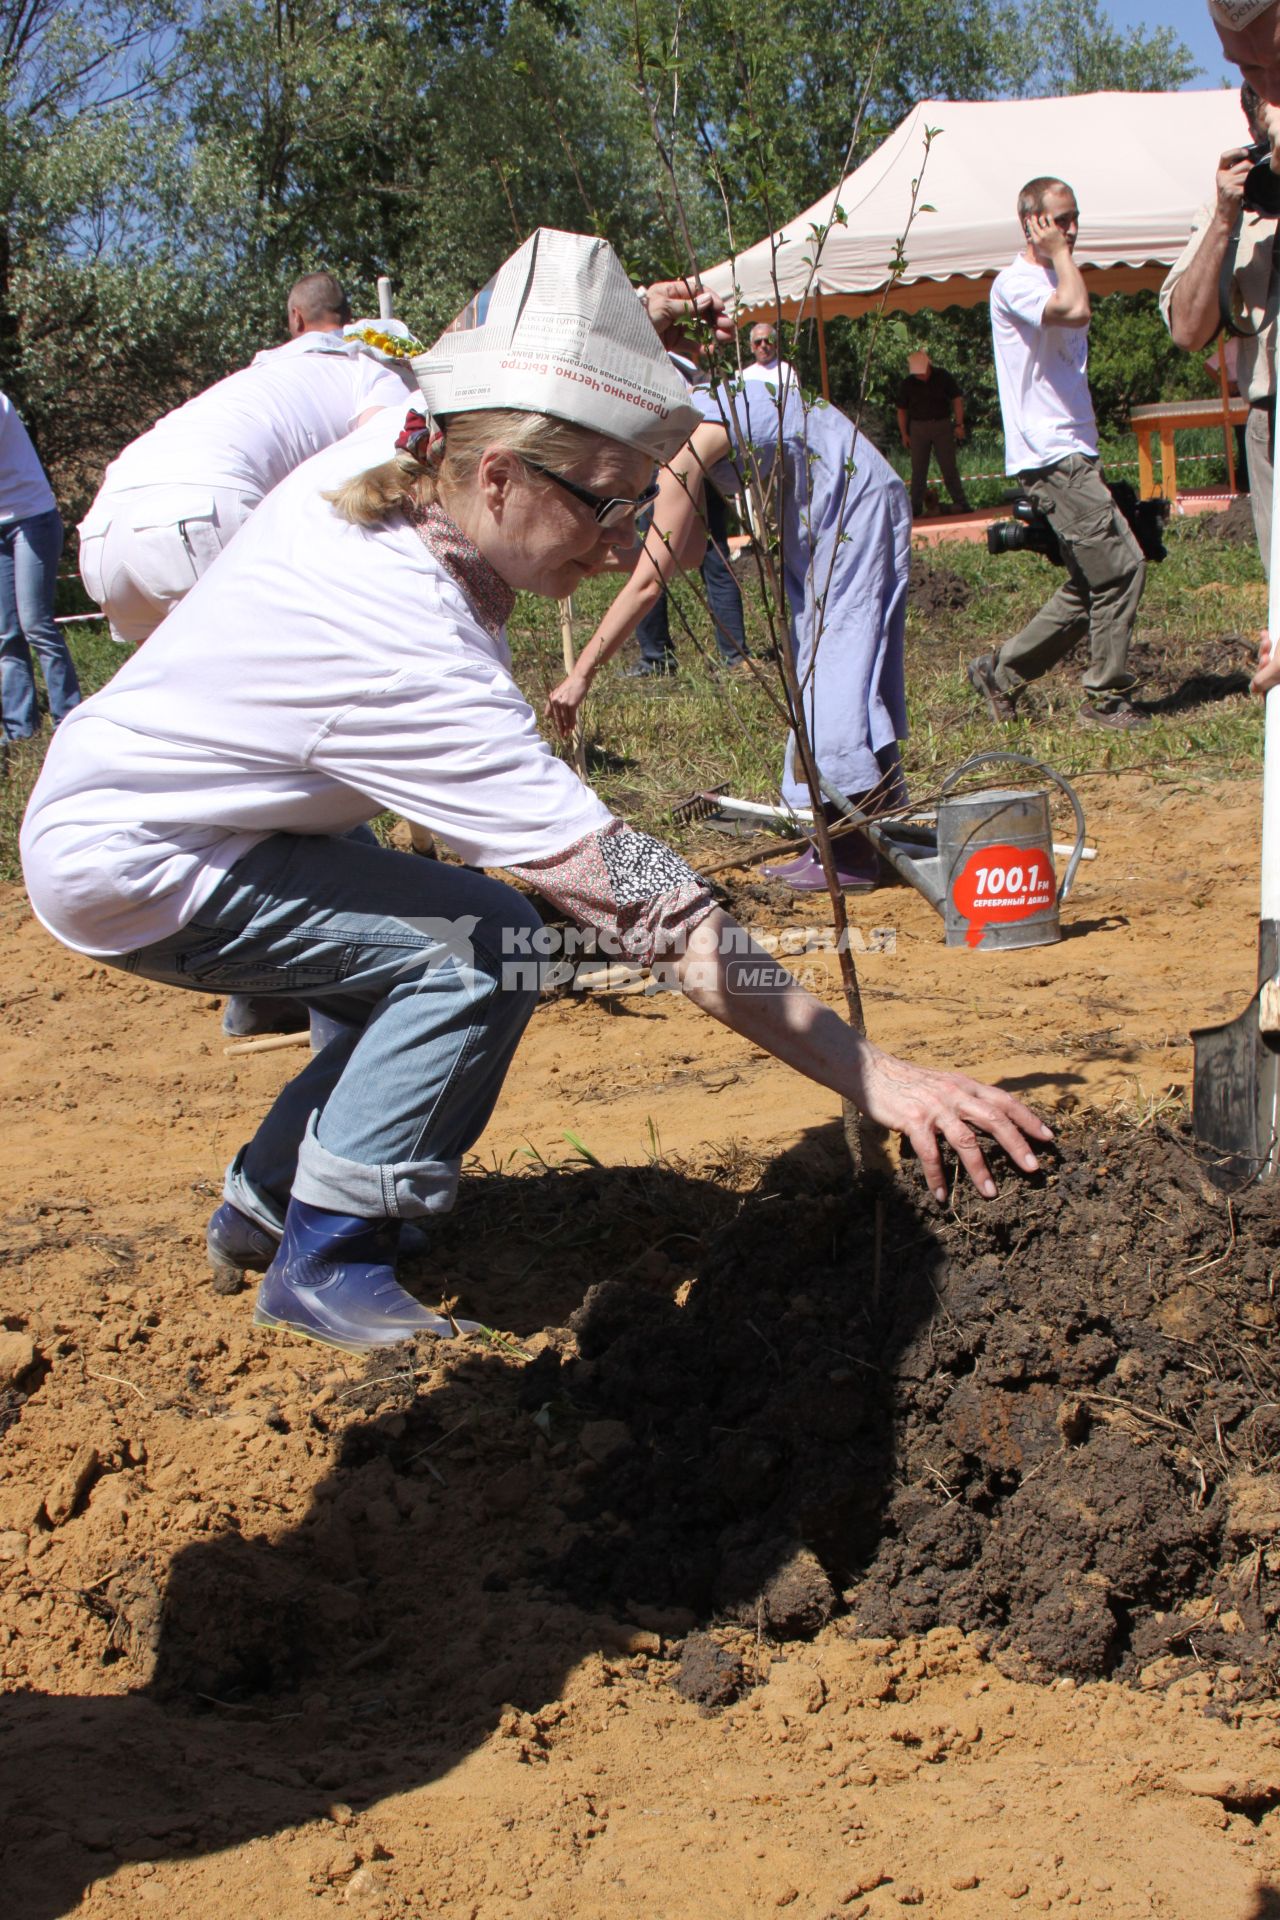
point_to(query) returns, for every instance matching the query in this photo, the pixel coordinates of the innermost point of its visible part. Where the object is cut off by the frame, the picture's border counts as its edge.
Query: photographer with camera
(1040, 323)
(1226, 276)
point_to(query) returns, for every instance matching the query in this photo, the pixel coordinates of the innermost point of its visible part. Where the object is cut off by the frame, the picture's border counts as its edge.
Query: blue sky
(1190, 20)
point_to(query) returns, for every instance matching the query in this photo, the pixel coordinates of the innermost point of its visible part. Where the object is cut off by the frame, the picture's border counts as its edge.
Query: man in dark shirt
(931, 420)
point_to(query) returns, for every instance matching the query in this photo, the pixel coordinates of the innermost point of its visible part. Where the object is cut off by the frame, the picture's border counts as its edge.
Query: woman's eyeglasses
(608, 513)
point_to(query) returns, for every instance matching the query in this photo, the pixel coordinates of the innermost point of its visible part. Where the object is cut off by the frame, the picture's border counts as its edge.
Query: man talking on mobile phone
(1040, 329)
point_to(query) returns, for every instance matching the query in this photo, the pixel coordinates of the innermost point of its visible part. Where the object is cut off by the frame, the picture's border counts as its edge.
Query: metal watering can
(988, 865)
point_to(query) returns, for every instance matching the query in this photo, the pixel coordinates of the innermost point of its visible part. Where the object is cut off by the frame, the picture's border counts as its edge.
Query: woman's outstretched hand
(923, 1104)
(723, 971)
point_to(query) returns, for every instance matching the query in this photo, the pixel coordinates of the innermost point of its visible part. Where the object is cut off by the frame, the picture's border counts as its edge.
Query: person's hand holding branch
(564, 701)
(687, 318)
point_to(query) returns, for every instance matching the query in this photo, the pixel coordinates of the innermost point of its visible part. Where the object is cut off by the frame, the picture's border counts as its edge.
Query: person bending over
(188, 824)
(845, 546)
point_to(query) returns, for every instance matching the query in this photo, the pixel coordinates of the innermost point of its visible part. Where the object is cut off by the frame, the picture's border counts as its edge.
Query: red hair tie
(420, 437)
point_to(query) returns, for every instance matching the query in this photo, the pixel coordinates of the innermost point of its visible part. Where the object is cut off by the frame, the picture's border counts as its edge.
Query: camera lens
(1262, 190)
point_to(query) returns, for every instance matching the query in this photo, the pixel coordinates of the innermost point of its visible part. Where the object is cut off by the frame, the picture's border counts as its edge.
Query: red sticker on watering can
(999, 883)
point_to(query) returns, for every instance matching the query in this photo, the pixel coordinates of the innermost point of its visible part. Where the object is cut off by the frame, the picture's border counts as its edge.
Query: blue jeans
(724, 598)
(411, 954)
(29, 555)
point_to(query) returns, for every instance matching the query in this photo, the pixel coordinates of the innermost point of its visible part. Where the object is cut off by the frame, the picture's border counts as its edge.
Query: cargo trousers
(1105, 577)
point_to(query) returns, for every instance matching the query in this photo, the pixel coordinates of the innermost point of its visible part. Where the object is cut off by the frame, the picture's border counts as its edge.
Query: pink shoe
(791, 869)
(857, 869)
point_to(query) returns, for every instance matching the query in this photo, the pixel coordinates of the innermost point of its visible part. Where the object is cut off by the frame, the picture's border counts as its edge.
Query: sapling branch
(791, 465)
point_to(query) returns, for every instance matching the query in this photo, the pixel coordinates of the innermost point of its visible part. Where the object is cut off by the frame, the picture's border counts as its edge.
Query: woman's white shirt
(317, 674)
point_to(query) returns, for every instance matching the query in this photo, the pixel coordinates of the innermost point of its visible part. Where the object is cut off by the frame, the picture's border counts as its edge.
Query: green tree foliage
(774, 98)
(538, 127)
(167, 167)
(1054, 47)
(87, 220)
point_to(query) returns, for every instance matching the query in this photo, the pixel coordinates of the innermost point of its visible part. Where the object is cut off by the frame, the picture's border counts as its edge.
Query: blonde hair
(373, 496)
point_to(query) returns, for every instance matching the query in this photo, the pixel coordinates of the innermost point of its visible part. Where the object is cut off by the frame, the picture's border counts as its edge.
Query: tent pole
(1228, 437)
(822, 348)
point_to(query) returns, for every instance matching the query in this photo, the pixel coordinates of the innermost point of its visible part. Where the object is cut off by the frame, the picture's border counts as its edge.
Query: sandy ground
(545, 1766)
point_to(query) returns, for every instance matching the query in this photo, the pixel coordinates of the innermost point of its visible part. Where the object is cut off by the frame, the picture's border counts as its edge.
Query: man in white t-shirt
(174, 498)
(1040, 326)
(764, 363)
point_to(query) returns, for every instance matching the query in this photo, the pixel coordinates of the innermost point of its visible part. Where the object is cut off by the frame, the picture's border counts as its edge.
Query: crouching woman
(347, 654)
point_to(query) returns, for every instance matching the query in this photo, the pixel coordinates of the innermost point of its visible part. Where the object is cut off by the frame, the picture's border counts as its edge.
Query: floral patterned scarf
(488, 595)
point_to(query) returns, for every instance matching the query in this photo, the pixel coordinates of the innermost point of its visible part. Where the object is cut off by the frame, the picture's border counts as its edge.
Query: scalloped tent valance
(1140, 164)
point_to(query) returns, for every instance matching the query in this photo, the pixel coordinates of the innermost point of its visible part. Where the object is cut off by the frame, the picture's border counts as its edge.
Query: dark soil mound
(1233, 527)
(936, 589)
(1053, 1417)
(1222, 668)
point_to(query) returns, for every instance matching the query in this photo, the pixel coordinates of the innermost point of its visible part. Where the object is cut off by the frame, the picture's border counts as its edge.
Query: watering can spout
(912, 860)
(988, 867)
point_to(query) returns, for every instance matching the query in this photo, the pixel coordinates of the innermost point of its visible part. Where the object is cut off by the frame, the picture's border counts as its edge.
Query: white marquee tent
(1140, 164)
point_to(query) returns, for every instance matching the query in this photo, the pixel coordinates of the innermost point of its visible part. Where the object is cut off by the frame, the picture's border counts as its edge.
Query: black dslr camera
(1030, 532)
(1262, 186)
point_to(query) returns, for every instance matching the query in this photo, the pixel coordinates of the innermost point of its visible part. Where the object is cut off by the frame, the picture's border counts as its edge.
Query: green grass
(653, 743)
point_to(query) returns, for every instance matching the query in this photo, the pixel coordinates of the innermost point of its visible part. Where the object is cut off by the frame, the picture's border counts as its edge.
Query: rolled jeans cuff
(250, 1199)
(404, 1191)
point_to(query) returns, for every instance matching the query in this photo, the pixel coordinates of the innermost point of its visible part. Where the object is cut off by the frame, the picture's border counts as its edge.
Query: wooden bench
(1164, 419)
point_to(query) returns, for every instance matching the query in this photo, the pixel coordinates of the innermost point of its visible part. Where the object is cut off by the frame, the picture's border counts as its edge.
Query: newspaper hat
(559, 330)
(1238, 13)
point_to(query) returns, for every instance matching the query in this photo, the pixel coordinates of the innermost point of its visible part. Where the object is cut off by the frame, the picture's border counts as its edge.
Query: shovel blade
(1235, 1101)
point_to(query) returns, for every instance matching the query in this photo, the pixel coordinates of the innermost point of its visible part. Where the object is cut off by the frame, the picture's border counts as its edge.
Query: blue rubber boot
(236, 1245)
(332, 1280)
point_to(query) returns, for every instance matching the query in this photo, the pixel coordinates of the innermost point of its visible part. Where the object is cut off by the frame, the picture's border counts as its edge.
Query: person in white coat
(176, 496)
